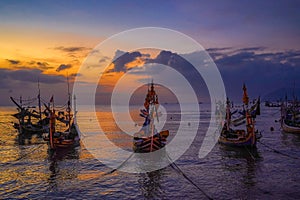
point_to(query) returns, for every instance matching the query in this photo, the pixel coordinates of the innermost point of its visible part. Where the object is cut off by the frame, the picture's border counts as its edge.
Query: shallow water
(31, 171)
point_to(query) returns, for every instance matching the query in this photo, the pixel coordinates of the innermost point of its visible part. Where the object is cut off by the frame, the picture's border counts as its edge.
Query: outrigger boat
(241, 118)
(148, 139)
(30, 121)
(240, 137)
(290, 117)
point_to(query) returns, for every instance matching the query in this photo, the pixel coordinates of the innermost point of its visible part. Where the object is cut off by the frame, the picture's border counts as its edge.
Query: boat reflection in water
(62, 167)
(150, 184)
(240, 169)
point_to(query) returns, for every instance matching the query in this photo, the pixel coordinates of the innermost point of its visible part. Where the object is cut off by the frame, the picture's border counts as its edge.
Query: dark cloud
(63, 67)
(26, 75)
(29, 65)
(122, 58)
(262, 71)
(43, 65)
(252, 49)
(13, 62)
(219, 49)
(71, 49)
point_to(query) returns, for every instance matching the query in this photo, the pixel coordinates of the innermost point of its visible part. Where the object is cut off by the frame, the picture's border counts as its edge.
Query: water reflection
(289, 139)
(150, 184)
(62, 166)
(28, 138)
(242, 165)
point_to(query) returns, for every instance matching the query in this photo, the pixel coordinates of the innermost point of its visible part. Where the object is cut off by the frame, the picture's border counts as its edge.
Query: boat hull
(240, 140)
(250, 142)
(150, 144)
(289, 129)
(31, 129)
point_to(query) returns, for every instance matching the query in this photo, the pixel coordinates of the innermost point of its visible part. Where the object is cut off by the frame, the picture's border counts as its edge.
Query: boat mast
(39, 100)
(52, 124)
(69, 107)
(227, 114)
(75, 110)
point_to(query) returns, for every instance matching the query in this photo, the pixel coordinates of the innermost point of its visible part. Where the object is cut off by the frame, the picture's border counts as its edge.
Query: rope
(121, 165)
(176, 168)
(276, 151)
(250, 153)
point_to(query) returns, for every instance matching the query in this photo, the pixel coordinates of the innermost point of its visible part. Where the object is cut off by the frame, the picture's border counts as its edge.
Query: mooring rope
(276, 151)
(250, 153)
(120, 166)
(176, 168)
(173, 165)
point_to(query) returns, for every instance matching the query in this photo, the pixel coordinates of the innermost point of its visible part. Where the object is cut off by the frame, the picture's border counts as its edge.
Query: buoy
(272, 128)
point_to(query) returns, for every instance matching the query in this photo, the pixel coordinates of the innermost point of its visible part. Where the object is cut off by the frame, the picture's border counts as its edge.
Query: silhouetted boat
(62, 139)
(30, 121)
(240, 137)
(148, 139)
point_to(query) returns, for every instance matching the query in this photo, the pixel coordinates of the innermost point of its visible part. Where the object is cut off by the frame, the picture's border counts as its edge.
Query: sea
(29, 170)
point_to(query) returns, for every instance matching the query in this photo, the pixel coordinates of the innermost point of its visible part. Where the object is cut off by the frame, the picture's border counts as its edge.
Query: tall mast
(227, 114)
(75, 111)
(39, 100)
(69, 102)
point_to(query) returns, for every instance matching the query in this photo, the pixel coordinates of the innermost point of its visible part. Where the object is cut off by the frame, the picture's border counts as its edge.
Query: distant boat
(148, 139)
(240, 137)
(270, 104)
(290, 117)
(30, 121)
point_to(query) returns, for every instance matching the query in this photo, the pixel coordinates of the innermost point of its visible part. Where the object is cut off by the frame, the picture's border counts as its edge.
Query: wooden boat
(240, 137)
(241, 119)
(69, 137)
(290, 118)
(30, 121)
(148, 139)
(293, 128)
(62, 139)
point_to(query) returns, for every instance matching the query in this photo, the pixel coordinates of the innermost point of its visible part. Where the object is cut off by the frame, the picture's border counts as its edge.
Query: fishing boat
(239, 117)
(290, 117)
(148, 139)
(30, 121)
(240, 137)
(62, 139)
(272, 104)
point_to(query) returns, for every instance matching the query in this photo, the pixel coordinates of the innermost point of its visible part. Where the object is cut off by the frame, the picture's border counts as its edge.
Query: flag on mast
(245, 95)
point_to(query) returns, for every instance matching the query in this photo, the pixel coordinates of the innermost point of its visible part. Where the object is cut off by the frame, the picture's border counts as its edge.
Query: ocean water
(28, 170)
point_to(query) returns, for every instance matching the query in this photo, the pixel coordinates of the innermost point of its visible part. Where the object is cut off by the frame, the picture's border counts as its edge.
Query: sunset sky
(257, 42)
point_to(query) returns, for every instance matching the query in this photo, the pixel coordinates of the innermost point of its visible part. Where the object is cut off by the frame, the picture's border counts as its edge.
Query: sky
(257, 42)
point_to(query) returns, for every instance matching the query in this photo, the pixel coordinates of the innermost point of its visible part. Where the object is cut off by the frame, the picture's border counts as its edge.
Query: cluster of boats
(56, 125)
(238, 130)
